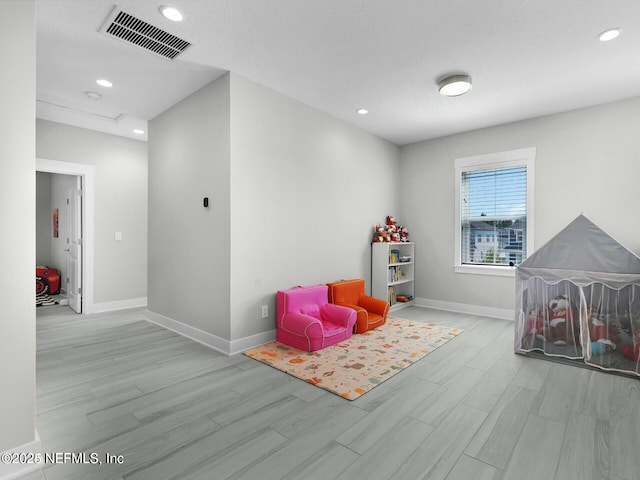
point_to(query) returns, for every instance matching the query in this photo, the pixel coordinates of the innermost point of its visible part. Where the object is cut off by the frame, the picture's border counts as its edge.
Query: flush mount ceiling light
(454, 85)
(362, 111)
(104, 83)
(172, 13)
(138, 131)
(93, 95)
(609, 34)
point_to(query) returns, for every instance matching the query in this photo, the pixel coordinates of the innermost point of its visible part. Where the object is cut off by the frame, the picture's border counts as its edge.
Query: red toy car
(47, 280)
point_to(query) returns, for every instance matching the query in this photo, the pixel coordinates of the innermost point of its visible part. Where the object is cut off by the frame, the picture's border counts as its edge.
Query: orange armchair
(371, 312)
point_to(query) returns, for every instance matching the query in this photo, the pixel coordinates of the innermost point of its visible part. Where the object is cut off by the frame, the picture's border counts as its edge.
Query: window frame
(511, 158)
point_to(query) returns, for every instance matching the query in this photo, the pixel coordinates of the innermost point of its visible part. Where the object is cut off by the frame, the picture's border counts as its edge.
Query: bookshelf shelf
(392, 272)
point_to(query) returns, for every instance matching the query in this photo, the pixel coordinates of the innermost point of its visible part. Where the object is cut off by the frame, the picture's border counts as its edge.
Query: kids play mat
(578, 298)
(353, 367)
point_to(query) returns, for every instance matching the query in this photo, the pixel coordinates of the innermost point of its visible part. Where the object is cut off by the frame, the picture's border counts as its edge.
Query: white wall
(17, 241)
(120, 203)
(588, 161)
(189, 245)
(294, 196)
(306, 190)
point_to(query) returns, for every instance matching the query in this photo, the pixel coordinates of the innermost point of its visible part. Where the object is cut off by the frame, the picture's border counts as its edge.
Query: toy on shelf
(404, 298)
(390, 232)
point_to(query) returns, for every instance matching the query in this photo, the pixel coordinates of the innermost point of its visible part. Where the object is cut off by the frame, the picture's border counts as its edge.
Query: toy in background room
(47, 280)
(390, 232)
(562, 329)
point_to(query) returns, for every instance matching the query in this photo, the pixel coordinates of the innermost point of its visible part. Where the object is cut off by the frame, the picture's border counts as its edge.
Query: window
(494, 211)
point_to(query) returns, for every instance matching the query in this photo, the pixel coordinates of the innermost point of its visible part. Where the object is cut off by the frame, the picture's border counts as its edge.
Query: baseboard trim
(119, 305)
(480, 310)
(11, 471)
(252, 341)
(219, 344)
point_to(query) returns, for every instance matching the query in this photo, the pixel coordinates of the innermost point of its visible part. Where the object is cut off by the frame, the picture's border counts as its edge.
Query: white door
(74, 241)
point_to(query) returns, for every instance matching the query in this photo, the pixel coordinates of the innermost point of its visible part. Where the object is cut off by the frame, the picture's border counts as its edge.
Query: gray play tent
(578, 297)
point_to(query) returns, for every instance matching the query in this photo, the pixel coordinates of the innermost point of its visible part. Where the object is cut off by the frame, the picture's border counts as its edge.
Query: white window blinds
(493, 216)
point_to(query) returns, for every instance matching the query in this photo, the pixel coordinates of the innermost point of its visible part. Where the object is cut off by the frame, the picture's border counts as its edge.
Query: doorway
(58, 240)
(78, 260)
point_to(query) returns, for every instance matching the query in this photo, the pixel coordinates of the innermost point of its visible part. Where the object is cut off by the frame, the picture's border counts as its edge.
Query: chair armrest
(299, 323)
(374, 305)
(338, 315)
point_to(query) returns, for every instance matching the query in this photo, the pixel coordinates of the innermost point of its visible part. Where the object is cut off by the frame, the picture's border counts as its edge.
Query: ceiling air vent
(138, 32)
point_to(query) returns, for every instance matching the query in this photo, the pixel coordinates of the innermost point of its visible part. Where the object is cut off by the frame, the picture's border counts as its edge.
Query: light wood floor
(175, 409)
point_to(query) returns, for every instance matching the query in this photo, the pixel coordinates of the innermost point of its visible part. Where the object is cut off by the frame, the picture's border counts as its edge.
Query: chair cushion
(331, 329)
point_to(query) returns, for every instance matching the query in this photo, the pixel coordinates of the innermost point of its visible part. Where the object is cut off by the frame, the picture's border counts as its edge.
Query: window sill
(486, 270)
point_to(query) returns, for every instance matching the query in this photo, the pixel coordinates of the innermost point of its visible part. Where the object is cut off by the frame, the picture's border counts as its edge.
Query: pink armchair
(307, 321)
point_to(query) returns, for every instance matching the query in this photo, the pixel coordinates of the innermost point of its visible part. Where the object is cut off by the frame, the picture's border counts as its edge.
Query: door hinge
(80, 290)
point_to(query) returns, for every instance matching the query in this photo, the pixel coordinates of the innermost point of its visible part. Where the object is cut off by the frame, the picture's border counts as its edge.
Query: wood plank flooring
(173, 409)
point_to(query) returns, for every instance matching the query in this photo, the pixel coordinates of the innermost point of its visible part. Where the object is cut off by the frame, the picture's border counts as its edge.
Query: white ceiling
(527, 58)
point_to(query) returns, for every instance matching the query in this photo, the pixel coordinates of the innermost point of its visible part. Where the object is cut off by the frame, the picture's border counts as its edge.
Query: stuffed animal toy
(378, 234)
(534, 325)
(624, 323)
(633, 351)
(390, 232)
(601, 339)
(382, 233)
(562, 329)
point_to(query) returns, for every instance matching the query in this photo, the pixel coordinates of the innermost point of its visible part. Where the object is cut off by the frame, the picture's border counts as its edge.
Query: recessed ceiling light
(138, 131)
(172, 13)
(104, 83)
(609, 34)
(362, 111)
(454, 85)
(93, 95)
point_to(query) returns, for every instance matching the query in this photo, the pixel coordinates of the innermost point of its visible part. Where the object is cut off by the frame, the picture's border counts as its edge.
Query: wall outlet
(265, 311)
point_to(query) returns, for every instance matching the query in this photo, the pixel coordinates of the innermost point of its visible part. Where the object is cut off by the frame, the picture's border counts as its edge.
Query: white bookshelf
(392, 272)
